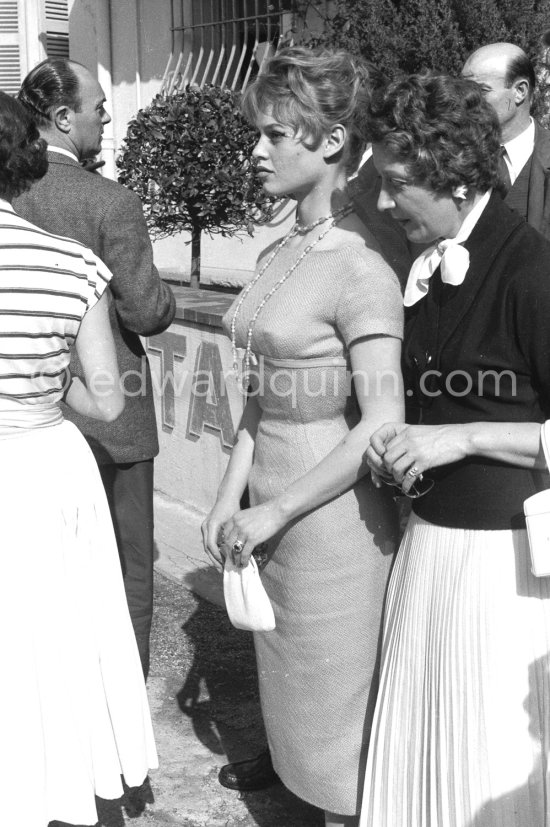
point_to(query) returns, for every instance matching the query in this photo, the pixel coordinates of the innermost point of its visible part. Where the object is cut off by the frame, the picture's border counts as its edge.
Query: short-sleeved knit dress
(327, 571)
(74, 715)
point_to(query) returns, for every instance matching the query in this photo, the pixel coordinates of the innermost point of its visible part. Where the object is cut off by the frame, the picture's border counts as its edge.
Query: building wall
(198, 409)
(128, 45)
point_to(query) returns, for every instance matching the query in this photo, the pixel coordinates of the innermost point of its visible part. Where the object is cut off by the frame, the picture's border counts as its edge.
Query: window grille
(10, 58)
(225, 42)
(57, 28)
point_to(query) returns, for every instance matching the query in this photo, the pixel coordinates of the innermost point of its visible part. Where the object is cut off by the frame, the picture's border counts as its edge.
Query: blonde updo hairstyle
(311, 90)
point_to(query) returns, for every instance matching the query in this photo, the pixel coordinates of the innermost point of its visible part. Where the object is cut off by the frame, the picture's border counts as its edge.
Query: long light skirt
(461, 732)
(73, 707)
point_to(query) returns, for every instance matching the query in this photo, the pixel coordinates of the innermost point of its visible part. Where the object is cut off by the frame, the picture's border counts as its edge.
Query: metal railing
(224, 42)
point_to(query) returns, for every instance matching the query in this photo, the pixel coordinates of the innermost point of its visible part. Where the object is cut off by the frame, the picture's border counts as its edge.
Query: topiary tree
(188, 157)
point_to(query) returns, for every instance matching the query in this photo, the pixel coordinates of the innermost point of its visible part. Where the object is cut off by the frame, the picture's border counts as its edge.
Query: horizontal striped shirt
(47, 284)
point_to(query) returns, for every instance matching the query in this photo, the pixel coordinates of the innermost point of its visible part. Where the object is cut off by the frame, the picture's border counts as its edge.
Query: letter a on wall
(209, 405)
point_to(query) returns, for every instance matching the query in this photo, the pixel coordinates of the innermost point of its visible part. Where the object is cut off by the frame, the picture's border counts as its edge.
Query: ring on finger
(237, 546)
(413, 471)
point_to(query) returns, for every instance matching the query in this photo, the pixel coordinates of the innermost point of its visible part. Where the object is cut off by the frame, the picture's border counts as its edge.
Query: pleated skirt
(461, 730)
(74, 716)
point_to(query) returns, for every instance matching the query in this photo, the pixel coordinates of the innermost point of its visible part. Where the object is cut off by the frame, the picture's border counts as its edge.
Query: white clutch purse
(246, 599)
(537, 518)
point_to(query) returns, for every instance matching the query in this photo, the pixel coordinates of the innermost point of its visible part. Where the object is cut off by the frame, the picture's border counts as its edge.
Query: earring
(460, 192)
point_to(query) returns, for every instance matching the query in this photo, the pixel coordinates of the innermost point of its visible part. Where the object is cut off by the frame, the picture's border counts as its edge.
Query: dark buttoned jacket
(481, 352)
(108, 218)
(538, 197)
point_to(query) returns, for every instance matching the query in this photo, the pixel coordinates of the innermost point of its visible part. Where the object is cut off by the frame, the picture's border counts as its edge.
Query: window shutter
(10, 58)
(57, 28)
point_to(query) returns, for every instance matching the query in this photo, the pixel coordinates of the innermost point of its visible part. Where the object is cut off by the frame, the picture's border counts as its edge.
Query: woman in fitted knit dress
(323, 304)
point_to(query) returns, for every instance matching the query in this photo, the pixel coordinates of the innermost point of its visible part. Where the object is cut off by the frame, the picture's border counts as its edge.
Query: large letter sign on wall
(170, 347)
(209, 405)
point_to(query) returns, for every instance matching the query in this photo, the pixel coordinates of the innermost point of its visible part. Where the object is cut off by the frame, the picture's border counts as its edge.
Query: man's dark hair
(22, 150)
(521, 67)
(51, 84)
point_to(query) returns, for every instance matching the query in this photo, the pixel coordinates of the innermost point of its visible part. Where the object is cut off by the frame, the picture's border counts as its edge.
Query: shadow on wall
(140, 36)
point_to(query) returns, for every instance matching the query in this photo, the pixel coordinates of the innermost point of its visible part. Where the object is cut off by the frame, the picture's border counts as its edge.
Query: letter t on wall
(171, 348)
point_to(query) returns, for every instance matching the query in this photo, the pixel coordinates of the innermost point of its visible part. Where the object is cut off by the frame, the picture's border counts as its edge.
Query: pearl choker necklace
(333, 218)
(305, 228)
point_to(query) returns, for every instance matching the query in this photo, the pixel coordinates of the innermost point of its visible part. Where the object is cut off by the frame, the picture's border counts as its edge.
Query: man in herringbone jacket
(68, 105)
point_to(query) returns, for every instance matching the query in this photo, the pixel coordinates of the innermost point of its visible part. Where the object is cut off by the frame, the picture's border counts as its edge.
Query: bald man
(507, 78)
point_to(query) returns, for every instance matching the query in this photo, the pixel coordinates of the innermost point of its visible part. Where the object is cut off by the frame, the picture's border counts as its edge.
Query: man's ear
(335, 141)
(62, 118)
(521, 90)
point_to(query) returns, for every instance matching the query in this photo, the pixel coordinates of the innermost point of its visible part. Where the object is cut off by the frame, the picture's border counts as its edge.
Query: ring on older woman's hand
(237, 546)
(412, 472)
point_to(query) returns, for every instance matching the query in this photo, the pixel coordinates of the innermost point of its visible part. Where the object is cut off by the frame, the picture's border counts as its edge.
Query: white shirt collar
(364, 158)
(519, 150)
(62, 151)
(5, 205)
(366, 155)
(472, 218)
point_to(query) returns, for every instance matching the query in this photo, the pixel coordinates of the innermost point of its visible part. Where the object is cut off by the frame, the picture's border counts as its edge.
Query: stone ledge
(224, 278)
(205, 307)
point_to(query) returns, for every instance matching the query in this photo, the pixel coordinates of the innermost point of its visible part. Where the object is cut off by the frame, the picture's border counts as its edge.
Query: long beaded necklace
(333, 218)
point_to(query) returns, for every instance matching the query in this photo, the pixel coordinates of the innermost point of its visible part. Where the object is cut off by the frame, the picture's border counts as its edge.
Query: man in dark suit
(67, 103)
(507, 78)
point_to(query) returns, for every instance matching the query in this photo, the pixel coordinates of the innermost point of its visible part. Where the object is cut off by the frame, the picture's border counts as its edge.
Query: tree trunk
(195, 257)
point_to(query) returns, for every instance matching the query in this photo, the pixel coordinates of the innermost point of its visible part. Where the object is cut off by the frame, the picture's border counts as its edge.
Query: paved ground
(204, 699)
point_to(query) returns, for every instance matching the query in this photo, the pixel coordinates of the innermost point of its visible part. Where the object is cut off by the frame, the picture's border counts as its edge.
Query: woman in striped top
(74, 714)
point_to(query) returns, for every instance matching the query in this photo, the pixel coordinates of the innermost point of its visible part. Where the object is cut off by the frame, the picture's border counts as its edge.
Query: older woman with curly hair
(461, 732)
(74, 715)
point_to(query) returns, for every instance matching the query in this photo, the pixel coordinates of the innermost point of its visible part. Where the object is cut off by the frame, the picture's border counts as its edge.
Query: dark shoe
(252, 774)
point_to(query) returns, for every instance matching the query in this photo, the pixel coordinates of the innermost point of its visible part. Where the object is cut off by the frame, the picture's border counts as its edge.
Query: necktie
(505, 180)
